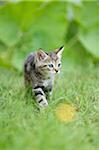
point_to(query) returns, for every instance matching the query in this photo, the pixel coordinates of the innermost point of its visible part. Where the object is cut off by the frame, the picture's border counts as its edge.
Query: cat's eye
(51, 65)
(59, 64)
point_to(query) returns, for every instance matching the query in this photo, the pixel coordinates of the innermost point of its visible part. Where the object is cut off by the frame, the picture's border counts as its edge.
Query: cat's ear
(42, 55)
(60, 51)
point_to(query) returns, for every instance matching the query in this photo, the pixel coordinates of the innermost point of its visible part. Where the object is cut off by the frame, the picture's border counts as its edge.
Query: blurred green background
(26, 26)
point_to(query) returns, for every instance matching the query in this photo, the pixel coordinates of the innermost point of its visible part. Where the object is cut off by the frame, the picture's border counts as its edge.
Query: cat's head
(49, 63)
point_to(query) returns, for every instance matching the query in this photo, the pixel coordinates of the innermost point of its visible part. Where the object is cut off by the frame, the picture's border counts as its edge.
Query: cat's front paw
(44, 105)
(43, 102)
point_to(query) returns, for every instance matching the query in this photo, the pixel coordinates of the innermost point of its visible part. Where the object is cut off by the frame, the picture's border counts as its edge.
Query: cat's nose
(56, 70)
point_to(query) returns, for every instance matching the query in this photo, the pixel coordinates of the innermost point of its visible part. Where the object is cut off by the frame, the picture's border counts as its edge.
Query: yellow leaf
(65, 112)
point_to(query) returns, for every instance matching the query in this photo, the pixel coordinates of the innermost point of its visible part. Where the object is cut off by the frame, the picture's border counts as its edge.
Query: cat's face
(49, 63)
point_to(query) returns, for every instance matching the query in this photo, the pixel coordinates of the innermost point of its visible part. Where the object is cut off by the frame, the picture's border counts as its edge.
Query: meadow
(23, 126)
(26, 26)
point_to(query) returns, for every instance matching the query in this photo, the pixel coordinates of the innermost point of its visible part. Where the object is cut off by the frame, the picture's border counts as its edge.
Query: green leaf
(9, 33)
(16, 18)
(50, 28)
(87, 14)
(18, 60)
(90, 40)
(76, 56)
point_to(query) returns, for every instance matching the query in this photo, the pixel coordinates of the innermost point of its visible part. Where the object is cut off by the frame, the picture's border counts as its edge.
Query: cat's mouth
(56, 72)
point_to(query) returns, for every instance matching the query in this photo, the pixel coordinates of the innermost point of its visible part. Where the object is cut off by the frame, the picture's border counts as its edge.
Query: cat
(40, 68)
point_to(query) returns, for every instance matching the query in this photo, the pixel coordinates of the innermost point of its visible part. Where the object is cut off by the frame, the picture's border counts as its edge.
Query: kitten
(39, 71)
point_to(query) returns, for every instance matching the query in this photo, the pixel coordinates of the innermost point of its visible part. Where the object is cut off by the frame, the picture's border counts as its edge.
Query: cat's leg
(48, 92)
(40, 97)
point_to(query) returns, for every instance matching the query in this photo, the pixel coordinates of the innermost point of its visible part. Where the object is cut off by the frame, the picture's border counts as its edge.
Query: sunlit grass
(23, 126)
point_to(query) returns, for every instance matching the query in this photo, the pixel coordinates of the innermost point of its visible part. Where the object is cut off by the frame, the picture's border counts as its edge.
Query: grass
(23, 127)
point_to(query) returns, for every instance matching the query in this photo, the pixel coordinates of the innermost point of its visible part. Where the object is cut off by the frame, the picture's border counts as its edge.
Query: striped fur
(40, 69)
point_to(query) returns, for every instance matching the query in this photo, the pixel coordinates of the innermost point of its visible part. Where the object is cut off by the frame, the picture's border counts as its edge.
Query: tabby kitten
(39, 71)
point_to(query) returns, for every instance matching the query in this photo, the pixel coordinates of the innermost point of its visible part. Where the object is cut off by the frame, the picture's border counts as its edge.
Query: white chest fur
(48, 82)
